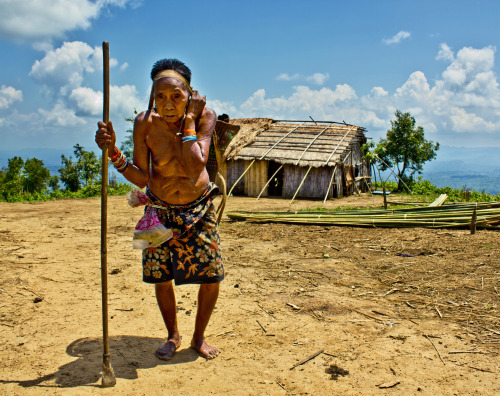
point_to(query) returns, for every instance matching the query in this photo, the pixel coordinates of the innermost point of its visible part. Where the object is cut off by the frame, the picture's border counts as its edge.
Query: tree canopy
(404, 148)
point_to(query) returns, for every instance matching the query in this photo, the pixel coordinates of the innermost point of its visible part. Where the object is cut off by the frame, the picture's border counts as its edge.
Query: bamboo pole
(300, 185)
(335, 149)
(275, 173)
(330, 184)
(310, 144)
(279, 141)
(239, 178)
(108, 378)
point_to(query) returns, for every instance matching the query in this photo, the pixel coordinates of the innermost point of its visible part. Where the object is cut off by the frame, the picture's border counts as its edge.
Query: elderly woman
(171, 147)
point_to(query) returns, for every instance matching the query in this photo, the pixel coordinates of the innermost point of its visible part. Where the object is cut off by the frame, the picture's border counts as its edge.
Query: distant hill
(474, 168)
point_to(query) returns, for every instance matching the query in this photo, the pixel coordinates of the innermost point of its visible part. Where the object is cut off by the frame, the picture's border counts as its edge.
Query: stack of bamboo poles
(446, 216)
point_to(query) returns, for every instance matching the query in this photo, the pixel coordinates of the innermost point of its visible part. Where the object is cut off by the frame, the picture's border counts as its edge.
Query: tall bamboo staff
(108, 376)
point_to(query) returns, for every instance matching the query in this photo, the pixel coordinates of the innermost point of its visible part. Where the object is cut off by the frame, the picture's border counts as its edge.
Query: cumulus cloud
(62, 69)
(64, 72)
(316, 78)
(60, 116)
(397, 38)
(288, 77)
(464, 102)
(445, 53)
(87, 102)
(9, 95)
(41, 20)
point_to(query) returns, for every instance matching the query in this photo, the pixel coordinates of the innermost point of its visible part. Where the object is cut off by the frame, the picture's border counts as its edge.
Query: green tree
(54, 182)
(69, 174)
(12, 180)
(83, 171)
(127, 146)
(35, 176)
(405, 148)
(88, 165)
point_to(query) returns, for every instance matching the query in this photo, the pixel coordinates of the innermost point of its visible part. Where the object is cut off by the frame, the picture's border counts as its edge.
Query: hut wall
(361, 168)
(314, 186)
(337, 186)
(256, 178)
(234, 169)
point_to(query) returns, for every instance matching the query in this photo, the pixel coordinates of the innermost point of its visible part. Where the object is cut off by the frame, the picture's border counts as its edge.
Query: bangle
(123, 166)
(189, 130)
(188, 138)
(120, 159)
(118, 152)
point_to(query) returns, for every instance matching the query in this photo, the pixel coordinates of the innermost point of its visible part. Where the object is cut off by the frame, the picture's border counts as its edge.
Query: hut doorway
(276, 184)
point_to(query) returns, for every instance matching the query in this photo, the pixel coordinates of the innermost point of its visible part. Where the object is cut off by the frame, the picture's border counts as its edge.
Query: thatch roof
(302, 143)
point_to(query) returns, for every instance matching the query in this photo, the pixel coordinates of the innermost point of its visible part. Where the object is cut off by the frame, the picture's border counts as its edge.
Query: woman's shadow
(128, 354)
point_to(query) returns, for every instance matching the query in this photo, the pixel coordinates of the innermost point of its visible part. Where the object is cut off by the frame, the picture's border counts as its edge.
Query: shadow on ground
(128, 354)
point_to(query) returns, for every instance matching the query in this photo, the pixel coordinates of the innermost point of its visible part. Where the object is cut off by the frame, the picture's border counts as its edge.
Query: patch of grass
(90, 191)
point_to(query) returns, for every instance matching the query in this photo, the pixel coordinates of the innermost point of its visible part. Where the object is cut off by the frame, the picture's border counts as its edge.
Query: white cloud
(318, 78)
(9, 95)
(288, 77)
(63, 72)
(124, 66)
(397, 38)
(62, 69)
(42, 20)
(462, 106)
(221, 107)
(60, 116)
(122, 101)
(445, 53)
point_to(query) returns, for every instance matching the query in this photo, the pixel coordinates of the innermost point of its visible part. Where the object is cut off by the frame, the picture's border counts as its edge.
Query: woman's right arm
(136, 172)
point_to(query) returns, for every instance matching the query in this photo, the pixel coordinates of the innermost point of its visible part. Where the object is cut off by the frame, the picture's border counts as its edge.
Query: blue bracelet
(188, 138)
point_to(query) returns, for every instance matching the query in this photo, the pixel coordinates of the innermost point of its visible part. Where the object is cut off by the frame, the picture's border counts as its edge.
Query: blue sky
(356, 61)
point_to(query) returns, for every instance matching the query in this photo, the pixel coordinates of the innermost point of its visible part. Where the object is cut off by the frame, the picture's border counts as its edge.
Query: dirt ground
(377, 311)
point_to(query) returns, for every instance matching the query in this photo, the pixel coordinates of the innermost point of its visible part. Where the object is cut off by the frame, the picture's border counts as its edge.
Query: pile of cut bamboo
(445, 216)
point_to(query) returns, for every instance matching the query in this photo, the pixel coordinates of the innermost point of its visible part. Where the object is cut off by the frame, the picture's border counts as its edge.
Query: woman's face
(171, 98)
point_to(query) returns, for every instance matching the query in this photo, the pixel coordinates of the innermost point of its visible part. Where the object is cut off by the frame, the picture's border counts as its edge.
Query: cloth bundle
(149, 231)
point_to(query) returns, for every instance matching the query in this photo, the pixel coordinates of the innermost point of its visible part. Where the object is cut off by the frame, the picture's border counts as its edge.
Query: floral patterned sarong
(193, 254)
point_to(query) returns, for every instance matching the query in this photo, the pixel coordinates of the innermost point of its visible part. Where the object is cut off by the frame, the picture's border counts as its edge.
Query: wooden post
(385, 196)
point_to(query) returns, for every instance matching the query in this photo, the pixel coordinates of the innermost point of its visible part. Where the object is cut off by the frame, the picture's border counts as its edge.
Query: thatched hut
(296, 159)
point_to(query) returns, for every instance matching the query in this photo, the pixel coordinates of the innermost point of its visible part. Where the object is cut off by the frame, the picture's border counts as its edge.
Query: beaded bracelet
(189, 130)
(188, 138)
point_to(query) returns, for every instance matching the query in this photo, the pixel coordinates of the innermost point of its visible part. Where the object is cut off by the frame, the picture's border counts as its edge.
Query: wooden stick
(278, 142)
(262, 327)
(310, 144)
(269, 181)
(330, 184)
(314, 355)
(435, 349)
(108, 378)
(239, 178)
(301, 183)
